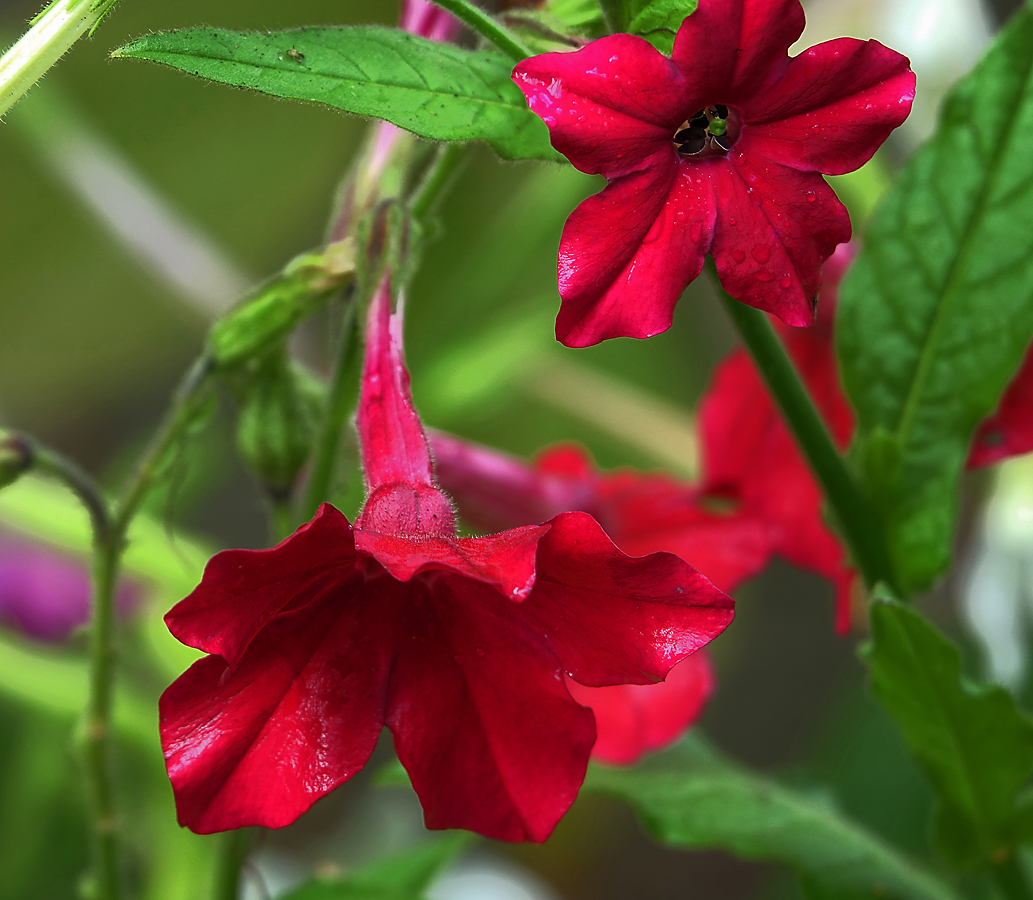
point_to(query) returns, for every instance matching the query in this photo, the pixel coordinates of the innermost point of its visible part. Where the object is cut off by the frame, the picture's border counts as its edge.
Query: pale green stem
(52, 32)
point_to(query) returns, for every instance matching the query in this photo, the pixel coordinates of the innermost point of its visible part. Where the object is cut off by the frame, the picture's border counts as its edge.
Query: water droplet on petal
(459, 659)
(811, 196)
(739, 256)
(761, 253)
(480, 652)
(785, 281)
(731, 222)
(764, 275)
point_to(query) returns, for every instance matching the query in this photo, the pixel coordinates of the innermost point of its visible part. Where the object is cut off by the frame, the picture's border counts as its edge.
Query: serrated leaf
(402, 876)
(690, 796)
(936, 313)
(437, 91)
(659, 20)
(974, 744)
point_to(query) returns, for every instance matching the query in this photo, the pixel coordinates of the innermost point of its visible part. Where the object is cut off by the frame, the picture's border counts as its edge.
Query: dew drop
(764, 275)
(739, 256)
(811, 196)
(785, 281)
(480, 652)
(731, 222)
(459, 659)
(761, 253)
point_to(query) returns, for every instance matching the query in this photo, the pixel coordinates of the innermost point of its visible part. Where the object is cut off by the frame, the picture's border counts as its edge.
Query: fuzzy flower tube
(459, 646)
(719, 149)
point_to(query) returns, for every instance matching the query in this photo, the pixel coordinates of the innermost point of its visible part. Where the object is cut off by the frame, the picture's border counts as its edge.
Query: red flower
(719, 150)
(457, 645)
(1009, 431)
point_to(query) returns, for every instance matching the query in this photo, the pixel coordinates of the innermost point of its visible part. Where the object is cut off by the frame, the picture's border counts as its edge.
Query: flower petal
(481, 718)
(775, 227)
(242, 590)
(634, 719)
(505, 561)
(732, 49)
(1009, 431)
(616, 619)
(300, 714)
(834, 106)
(611, 106)
(628, 252)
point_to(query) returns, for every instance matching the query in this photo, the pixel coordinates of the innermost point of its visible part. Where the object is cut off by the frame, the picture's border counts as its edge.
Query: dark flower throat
(709, 129)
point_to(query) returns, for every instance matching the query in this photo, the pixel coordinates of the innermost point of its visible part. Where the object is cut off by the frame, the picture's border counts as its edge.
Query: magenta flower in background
(44, 594)
(458, 645)
(719, 149)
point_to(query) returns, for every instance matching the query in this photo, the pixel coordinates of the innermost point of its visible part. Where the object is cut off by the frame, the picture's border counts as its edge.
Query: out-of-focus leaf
(974, 743)
(937, 312)
(438, 91)
(658, 21)
(690, 796)
(402, 876)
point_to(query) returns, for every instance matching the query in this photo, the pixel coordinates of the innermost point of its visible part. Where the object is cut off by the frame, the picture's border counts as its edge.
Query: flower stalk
(854, 515)
(52, 32)
(487, 27)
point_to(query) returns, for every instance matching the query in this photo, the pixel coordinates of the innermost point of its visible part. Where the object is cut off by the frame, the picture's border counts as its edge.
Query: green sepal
(276, 309)
(973, 742)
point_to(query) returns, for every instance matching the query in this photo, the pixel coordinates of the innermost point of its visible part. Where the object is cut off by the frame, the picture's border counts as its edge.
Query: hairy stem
(487, 27)
(853, 513)
(233, 852)
(52, 32)
(339, 405)
(436, 180)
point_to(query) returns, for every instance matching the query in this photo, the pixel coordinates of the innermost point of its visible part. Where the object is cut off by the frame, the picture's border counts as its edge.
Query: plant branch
(49, 36)
(233, 852)
(434, 182)
(854, 515)
(487, 27)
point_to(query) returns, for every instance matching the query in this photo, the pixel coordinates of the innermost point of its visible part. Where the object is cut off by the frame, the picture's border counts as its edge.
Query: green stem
(487, 27)
(233, 853)
(52, 32)
(436, 179)
(339, 405)
(853, 513)
(1012, 880)
(107, 543)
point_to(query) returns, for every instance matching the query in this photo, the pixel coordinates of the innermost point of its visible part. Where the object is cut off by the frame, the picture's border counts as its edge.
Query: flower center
(710, 132)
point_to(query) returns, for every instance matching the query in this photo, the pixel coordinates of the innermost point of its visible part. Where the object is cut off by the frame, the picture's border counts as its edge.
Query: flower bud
(300, 290)
(15, 458)
(277, 422)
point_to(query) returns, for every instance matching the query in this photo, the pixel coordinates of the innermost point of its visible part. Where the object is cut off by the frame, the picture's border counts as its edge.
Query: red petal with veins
(480, 715)
(588, 594)
(627, 253)
(1009, 431)
(634, 719)
(834, 106)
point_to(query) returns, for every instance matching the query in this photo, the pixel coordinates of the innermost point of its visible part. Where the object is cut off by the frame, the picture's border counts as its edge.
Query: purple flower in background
(45, 594)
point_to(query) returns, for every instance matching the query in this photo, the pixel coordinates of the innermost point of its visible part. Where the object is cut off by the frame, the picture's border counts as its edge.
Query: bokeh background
(137, 203)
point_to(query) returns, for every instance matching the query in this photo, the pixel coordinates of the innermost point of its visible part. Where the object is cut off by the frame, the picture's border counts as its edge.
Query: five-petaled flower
(459, 646)
(719, 149)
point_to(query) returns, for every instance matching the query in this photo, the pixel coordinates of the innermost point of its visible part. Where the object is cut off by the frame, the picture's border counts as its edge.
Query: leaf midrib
(951, 286)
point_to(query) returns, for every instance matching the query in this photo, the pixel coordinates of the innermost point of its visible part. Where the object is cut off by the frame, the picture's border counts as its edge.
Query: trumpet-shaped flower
(719, 149)
(459, 646)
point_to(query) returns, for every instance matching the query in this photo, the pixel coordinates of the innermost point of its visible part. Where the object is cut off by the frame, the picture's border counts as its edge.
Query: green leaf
(936, 313)
(691, 796)
(403, 876)
(438, 91)
(659, 20)
(974, 744)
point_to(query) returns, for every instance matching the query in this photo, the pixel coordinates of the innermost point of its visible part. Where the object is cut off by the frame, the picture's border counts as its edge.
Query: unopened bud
(277, 423)
(15, 458)
(300, 290)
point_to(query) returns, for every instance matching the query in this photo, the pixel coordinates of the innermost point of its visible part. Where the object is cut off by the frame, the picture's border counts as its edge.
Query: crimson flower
(458, 645)
(719, 149)
(1009, 431)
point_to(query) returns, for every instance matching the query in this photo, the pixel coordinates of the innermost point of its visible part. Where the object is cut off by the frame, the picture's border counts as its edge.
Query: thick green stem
(437, 178)
(338, 407)
(1012, 880)
(487, 27)
(853, 513)
(233, 853)
(52, 32)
